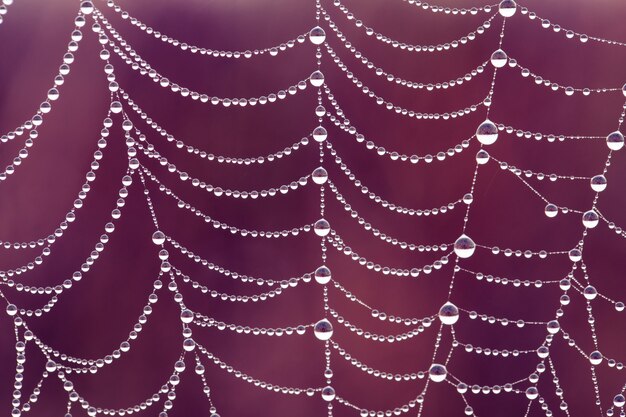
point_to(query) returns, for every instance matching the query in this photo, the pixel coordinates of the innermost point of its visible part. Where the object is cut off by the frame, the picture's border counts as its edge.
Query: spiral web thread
(576, 281)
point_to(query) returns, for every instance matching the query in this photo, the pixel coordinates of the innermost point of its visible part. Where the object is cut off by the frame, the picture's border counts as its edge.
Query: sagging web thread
(329, 113)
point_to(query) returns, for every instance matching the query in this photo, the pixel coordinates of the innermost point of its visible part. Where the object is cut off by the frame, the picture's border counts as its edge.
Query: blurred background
(92, 318)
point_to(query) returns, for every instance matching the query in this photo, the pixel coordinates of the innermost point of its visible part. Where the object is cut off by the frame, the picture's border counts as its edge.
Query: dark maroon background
(93, 317)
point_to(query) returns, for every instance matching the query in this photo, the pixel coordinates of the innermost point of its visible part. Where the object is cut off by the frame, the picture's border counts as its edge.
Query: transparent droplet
(437, 372)
(320, 134)
(322, 275)
(189, 345)
(51, 366)
(487, 133)
(590, 219)
(624, 90)
(186, 316)
(468, 198)
(482, 157)
(551, 210)
(590, 292)
(499, 58)
(317, 79)
(317, 36)
(158, 237)
(575, 255)
(507, 8)
(615, 141)
(323, 330)
(532, 393)
(553, 327)
(328, 393)
(319, 175)
(86, 7)
(321, 227)
(11, 309)
(595, 357)
(320, 111)
(543, 352)
(598, 183)
(116, 107)
(619, 400)
(464, 246)
(449, 313)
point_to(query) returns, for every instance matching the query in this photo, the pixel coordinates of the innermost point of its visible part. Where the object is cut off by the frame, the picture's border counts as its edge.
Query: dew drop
(11, 309)
(320, 134)
(615, 141)
(186, 316)
(499, 58)
(322, 275)
(437, 372)
(323, 330)
(482, 157)
(328, 393)
(321, 227)
(449, 314)
(507, 8)
(317, 79)
(532, 393)
(319, 175)
(590, 292)
(598, 183)
(590, 219)
(595, 357)
(551, 210)
(487, 133)
(317, 36)
(464, 246)
(158, 237)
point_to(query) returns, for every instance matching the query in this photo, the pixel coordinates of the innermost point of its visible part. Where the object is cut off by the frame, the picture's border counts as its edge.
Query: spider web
(213, 207)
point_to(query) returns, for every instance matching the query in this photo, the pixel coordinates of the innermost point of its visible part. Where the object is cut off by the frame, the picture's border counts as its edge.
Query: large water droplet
(615, 141)
(464, 246)
(320, 134)
(487, 133)
(507, 8)
(323, 330)
(590, 219)
(316, 79)
(449, 313)
(619, 400)
(598, 183)
(595, 357)
(321, 227)
(590, 292)
(553, 327)
(186, 316)
(551, 210)
(158, 237)
(328, 393)
(11, 309)
(317, 36)
(532, 393)
(437, 372)
(482, 157)
(499, 58)
(319, 175)
(86, 7)
(575, 255)
(322, 275)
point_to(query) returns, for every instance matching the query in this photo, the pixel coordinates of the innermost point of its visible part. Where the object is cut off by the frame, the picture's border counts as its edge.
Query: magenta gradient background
(97, 313)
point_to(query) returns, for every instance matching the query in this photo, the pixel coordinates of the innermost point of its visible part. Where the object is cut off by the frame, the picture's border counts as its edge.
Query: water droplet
(595, 357)
(11, 309)
(543, 352)
(322, 275)
(316, 79)
(51, 366)
(86, 7)
(321, 227)
(116, 107)
(598, 183)
(590, 292)
(319, 176)
(323, 330)
(499, 58)
(464, 246)
(158, 237)
(590, 219)
(615, 141)
(553, 327)
(575, 255)
(487, 133)
(468, 198)
(328, 393)
(551, 210)
(449, 313)
(619, 400)
(189, 345)
(507, 8)
(532, 393)
(624, 90)
(320, 134)
(186, 316)
(317, 36)
(482, 157)
(437, 372)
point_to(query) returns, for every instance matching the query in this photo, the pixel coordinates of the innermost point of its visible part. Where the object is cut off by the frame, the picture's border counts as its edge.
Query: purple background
(97, 313)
